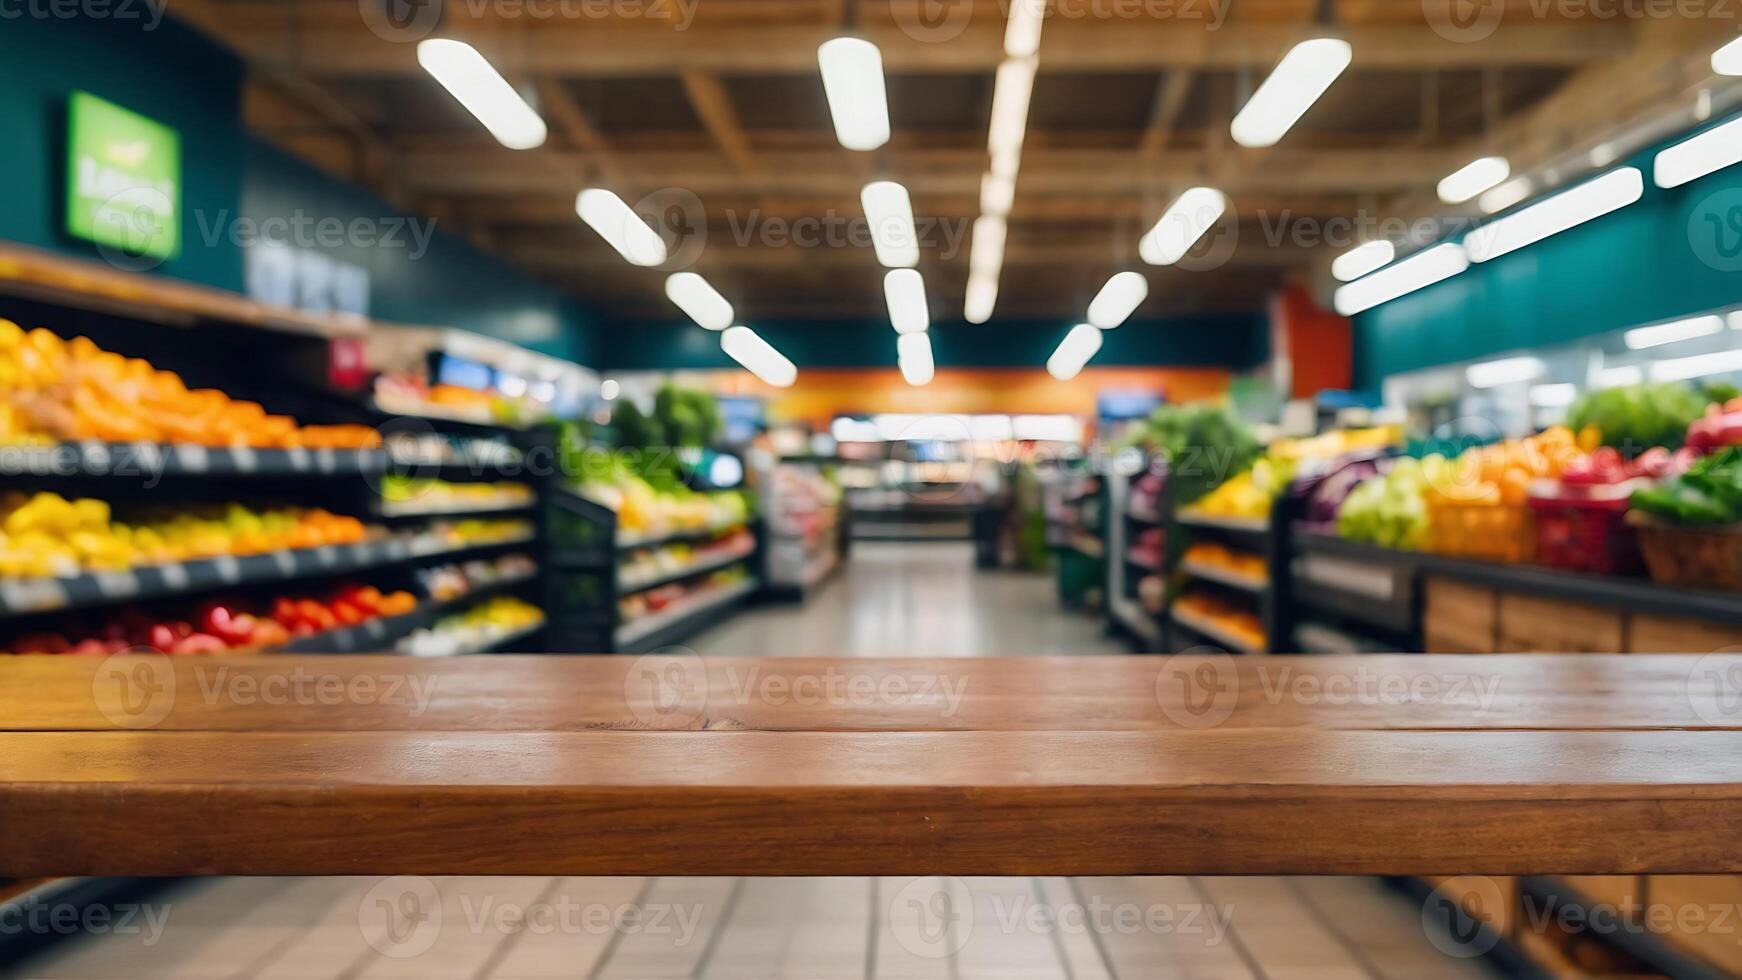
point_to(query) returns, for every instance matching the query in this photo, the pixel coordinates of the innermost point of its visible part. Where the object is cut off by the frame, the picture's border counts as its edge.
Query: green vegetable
(1635, 418)
(1710, 492)
(1204, 447)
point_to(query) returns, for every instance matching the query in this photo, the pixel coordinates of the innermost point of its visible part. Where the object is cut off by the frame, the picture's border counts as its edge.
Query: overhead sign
(123, 179)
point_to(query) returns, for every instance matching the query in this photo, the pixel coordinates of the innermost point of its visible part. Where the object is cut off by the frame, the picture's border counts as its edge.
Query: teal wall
(1232, 341)
(1654, 260)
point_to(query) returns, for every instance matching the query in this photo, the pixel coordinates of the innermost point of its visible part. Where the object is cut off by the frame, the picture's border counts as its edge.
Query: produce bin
(1707, 557)
(1584, 527)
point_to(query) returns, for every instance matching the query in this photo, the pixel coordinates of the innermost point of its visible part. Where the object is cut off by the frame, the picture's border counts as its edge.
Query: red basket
(1584, 527)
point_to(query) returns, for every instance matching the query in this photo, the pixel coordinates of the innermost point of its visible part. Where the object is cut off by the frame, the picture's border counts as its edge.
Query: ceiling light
(621, 228)
(1362, 259)
(1303, 74)
(1620, 377)
(1551, 216)
(1553, 396)
(1022, 33)
(853, 81)
(479, 87)
(1422, 269)
(758, 357)
(1735, 319)
(1074, 351)
(986, 253)
(1505, 196)
(696, 297)
(1186, 221)
(1118, 299)
(997, 194)
(1698, 366)
(1709, 152)
(1727, 60)
(890, 212)
(609, 389)
(1474, 178)
(1669, 333)
(1011, 89)
(1505, 371)
(904, 290)
(913, 355)
(981, 299)
(1005, 162)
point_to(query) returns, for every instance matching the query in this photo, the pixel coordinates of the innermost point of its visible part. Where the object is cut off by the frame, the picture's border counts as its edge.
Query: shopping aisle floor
(922, 600)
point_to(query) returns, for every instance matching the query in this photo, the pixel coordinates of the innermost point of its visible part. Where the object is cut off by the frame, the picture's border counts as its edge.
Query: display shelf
(1143, 563)
(628, 584)
(1211, 631)
(1242, 525)
(377, 634)
(686, 614)
(1222, 576)
(490, 641)
(148, 460)
(450, 508)
(625, 542)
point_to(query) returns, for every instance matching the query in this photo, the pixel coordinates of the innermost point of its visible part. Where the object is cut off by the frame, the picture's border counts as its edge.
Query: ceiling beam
(713, 106)
(1175, 85)
(576, 129)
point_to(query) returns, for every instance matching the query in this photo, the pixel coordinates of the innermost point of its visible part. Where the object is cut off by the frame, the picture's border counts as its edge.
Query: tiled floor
(891, 599)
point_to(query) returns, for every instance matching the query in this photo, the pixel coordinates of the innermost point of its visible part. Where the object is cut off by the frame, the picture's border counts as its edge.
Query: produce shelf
(641, 629)
(1222, 576)
(1209, 630)
(1143, 516)
(627, 584)
(377, 634)
(490, 642)
(1244, 525)
(675, 537)
(150, 460)
(447, 508)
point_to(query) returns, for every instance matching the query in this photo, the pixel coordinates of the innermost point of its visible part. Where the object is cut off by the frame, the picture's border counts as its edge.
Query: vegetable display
(1634, 418)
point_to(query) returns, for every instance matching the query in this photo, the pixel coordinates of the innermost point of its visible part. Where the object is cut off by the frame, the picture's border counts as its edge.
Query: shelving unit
(1254, 536)
(807, 539)
(1126, 612)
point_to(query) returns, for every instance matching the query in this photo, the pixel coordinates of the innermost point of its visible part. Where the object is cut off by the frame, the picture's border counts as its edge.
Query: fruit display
(640, 565)
(1326, 493)
(803, 501)
(47, 535)
(477, 629)
(1146, 550)
(447, 535)
(1707, 494)
(646, 603)
(1216, 612)
(221, 625)
(1720, 426)
(1248, 494)
(72, 390)
(405, 394)
(420, 492)
(644, 512)
(1218, 556)
(1203, 446)
(445, 583)
(1338, 443)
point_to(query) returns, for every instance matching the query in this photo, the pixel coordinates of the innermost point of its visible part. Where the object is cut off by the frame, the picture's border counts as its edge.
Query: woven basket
(1707, 557)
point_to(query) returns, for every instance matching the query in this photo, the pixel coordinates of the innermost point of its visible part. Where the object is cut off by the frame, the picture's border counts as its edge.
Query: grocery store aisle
(915, 599)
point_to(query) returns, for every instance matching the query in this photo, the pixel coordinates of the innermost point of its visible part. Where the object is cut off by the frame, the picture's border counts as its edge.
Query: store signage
(279, 274)
(123, 179)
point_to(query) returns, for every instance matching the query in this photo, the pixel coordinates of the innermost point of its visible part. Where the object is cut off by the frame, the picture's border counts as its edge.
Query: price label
(299, 458)
(327, 555)
(327, 460)
(33, 595)
(193, 459)
(286, 562)
(174, 575)
(228, 569)
(244, 459)
(95, 457)
(117, 585)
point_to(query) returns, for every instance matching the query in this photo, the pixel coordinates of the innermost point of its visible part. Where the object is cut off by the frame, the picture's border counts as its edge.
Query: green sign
(123, 179)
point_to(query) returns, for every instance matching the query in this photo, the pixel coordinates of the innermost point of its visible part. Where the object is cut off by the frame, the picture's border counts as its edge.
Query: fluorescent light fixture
(1074, 351)
(986, 251)
(904, 290)
(1362, 259)
(1553, 396)
(1727, 60)
(997, 194)
(1707, 153)
(1186, 221)
(621, 228)
(1551, 216)
(1620, 377)
(696, 297)
(1473, 178)
(1698, 366)
(609, 389)
(1420, 270)
(913, 354)
(1006, 161)
(758, 357)
(981, 298)
(1505, 371)
(1303, 74)
(1022, 32)
(890, 212)
(1118, 299)
(1010, 91)
(1505, 196)
(1669, 333)
(479, 87)
(853, 81)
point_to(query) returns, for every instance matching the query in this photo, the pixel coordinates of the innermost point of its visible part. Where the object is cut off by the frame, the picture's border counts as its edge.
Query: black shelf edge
(373, 635)
(1634, 940)
(679, 574)
(678, 537)
(692, 621)
(148, 460)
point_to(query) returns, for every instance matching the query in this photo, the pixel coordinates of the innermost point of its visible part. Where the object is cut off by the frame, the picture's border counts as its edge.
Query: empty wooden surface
(1032, 767)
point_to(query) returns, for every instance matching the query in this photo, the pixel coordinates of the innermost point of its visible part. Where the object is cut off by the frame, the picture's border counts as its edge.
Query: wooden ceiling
(713, 111)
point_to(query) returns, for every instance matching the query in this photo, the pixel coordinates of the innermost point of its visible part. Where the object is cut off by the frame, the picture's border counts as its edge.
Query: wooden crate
(1532, 624)
(1661, 634)
(1458, 617)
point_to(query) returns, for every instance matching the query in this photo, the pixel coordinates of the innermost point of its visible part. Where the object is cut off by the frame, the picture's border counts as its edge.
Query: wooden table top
(1018, 766)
